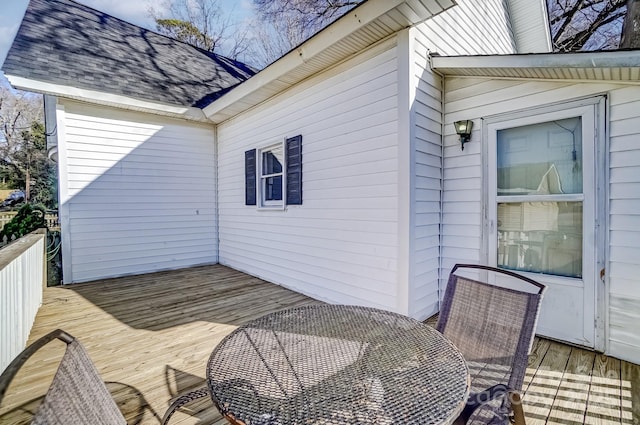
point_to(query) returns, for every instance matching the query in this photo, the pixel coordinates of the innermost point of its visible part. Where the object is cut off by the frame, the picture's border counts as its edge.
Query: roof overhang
(107, 99)
(363, 26)
(613, 66)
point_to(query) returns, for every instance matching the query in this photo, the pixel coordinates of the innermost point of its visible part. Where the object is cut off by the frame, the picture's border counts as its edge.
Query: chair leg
(182, 400)
(516, 406)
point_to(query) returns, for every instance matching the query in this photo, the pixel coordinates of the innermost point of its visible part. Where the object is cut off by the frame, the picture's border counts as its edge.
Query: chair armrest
(182, 400)
(11, 370)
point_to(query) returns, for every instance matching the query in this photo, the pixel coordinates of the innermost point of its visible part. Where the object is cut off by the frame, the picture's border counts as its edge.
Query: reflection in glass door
(541, 211)
(539, 196)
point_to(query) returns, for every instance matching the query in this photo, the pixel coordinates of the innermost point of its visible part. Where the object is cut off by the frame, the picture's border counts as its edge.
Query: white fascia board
(348, 24)
(108, 99)
(616, 59)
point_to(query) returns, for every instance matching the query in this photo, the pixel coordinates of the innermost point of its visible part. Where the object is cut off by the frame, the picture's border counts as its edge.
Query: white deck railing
(22, 279)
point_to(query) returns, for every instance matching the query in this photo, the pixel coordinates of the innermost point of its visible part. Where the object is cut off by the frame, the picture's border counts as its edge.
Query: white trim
(63, 195)
(602, 224)
(216, 194)
(542, 109)
(571, 197)
(541, 60)
(487, 225)
(107, 99)
(261, 203)
(479, 76)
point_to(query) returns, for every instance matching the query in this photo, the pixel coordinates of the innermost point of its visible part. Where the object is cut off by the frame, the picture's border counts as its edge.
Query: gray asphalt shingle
(66, 43)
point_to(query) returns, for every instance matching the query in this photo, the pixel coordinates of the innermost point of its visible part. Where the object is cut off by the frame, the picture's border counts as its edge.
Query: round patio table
(331, 364)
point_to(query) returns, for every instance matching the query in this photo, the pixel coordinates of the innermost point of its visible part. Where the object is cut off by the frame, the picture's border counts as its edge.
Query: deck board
(570, 402)
(630, 394)
(540, 396)
(150, 337)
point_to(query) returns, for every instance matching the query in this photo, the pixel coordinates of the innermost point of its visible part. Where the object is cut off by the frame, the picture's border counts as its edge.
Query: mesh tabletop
(337, 365)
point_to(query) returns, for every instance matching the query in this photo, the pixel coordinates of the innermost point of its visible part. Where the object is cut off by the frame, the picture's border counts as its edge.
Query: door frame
(598, 183)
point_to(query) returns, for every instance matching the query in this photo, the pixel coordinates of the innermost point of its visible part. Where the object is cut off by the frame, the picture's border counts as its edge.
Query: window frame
(261, 179)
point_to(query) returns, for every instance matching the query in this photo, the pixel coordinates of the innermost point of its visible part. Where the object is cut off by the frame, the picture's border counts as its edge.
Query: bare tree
(631, 26)
(284, 24)
(202, 23)
(586, 24)
(310, 15)
(21, 116)
(273, 39)
(278, 27)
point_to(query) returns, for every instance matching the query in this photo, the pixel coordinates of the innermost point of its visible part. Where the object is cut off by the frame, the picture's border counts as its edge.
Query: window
(271, 172)
(539, 197)
(273, 175)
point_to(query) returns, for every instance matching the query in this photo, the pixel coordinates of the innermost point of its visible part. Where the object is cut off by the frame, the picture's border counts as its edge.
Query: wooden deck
(150, 337)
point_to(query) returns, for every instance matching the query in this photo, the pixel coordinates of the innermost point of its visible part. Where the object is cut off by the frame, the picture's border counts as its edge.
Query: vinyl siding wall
(530, 23)
(137, 192)
(470, 28)
(468, 98)
(426, 129)
(341, 244)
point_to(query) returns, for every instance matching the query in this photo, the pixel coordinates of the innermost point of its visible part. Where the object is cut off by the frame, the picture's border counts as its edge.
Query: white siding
(426, 129)
(341, 245)
(530, 25)
(471, 27)
(468, 98)
(137, 192)
(624, 226)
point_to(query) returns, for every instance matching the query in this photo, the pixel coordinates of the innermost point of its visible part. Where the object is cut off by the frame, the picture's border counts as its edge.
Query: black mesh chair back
(493, 326)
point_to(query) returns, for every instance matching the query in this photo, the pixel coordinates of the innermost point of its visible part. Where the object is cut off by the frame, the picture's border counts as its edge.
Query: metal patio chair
(493, 326)
(77, 394)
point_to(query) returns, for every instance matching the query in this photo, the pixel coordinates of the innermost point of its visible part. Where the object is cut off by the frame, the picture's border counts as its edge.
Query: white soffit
(360, 28)
(623, 66)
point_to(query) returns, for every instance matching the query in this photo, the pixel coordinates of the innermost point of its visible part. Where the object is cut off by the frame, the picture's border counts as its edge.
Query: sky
(134, 11)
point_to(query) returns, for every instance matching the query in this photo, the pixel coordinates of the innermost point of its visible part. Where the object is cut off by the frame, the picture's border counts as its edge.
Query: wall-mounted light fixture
(463, 128)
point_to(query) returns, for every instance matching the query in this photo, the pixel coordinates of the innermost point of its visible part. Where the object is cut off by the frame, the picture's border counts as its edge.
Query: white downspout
(216, 166)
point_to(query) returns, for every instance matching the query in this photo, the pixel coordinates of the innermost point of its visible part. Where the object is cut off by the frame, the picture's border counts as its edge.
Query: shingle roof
(66, 43)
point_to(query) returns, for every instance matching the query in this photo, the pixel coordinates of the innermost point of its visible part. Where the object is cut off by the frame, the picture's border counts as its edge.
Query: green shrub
(29, 218)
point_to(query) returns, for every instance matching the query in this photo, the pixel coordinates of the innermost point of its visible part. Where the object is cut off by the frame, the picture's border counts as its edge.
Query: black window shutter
(250, 177)
(294, 170)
